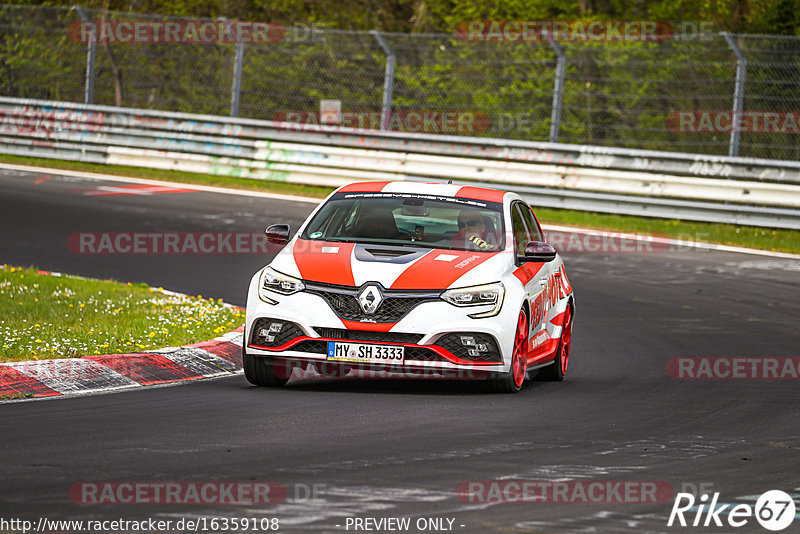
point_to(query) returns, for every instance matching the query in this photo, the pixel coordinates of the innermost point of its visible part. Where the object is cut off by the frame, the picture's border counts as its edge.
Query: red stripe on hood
(430, 273)
(328, 267)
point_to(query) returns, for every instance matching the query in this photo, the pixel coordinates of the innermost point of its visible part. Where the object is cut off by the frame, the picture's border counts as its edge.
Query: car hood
(406, 268)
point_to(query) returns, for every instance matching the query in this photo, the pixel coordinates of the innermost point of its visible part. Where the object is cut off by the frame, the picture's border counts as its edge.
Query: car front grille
(344, 302)
(367, 335)
(312, 346)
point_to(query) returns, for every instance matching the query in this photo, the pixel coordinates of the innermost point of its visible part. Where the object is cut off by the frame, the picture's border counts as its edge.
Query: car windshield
(408, 219)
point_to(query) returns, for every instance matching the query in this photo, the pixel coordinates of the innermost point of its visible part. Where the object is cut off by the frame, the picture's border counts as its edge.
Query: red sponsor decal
(574, 491)
(734, 368)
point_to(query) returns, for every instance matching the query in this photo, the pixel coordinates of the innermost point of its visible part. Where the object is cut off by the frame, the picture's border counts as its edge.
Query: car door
(534, 275)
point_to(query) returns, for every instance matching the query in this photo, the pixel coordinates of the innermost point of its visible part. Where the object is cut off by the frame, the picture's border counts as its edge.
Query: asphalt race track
(379, 448)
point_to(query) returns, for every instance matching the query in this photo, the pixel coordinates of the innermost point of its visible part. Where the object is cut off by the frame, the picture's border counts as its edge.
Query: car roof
(449, 190)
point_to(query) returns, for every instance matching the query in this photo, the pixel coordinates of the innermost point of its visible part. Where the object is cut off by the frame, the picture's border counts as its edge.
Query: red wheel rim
(566, 336)
(519, 361)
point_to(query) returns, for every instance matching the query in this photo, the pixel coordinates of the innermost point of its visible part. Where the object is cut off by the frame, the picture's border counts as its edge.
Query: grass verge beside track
(44, 316)
(776, 240)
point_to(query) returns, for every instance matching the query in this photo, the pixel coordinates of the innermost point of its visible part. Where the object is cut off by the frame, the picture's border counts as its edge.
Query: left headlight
(273, 281)
(477, 296)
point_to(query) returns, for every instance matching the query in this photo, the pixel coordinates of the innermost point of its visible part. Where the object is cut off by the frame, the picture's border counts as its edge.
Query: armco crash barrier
(635, 182)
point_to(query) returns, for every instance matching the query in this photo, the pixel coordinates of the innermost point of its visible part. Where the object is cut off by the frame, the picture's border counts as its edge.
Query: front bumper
(430, 332)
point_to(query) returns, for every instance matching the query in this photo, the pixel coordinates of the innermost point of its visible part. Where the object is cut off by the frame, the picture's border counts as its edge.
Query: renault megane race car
(412, 278)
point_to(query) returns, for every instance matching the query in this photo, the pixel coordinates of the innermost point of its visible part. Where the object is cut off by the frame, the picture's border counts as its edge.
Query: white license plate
(359, 352)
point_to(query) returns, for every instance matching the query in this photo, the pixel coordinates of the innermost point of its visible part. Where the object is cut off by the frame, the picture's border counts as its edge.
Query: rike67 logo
(774, 510)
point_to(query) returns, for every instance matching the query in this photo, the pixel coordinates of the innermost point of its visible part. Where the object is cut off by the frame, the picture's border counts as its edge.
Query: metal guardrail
(635, 182)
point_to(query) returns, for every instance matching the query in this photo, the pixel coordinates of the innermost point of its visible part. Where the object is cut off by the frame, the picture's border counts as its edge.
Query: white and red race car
(413, 280)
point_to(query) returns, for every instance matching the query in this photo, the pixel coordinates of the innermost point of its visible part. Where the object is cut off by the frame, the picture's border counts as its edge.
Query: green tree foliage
(616, 93)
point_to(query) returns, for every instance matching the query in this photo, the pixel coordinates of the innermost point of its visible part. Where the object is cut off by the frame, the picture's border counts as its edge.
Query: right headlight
(271, 281)
(477, 296)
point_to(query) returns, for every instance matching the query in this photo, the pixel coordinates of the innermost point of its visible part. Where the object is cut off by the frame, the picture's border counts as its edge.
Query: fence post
(558, 89)
(738, 92)
(388, 80)
(91, 59)
(236, 84)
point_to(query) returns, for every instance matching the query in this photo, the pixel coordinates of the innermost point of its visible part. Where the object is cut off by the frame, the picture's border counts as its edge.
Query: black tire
(264, 371)
(514, 379)
(556, 371)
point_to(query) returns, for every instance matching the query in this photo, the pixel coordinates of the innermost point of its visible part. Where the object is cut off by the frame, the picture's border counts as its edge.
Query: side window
(518, 227)
(534, 231)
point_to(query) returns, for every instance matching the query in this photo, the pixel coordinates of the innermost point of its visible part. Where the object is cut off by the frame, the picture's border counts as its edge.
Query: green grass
(774, 239)
(728, 234)
(44, 316)
(19, 396)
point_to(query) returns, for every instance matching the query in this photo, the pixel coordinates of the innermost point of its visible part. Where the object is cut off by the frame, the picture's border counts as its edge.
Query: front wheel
(264, 371)
(556, 371)
(512, 381)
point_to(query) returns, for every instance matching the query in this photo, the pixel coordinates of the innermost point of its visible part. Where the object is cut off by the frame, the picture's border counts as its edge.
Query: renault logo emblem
(370, 298)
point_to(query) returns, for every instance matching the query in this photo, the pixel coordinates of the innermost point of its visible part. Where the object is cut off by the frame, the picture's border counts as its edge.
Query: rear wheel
(512, 381)
(558, 369)
(265, 371)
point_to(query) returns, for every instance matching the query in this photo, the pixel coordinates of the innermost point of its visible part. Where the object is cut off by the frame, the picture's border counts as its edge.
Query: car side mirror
(278, 234)
(538, 251)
